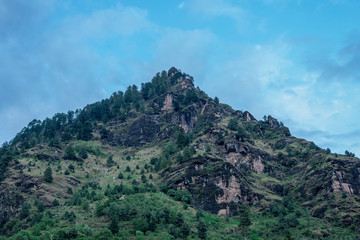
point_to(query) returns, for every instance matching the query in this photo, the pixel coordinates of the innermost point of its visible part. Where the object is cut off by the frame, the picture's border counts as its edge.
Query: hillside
(169, 162)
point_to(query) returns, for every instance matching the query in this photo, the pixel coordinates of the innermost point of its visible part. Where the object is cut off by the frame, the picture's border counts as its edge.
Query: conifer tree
(48, 175)
(244, 220)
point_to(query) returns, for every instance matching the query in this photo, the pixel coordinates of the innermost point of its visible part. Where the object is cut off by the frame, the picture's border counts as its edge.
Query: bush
(233, 124)
(55, 203)
(70, 153)
(48, 175)
(153, 161)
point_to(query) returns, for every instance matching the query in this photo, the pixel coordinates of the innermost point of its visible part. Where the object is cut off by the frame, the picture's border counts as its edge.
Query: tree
(55, 203)
(83, 153)
(70, 153)
(216, 99)
(48, 175)
(202, 228)
(244, 220)
(233, 124)
(25, 211)
(114, 225)
(143, 178)
(110, 162)
(185, 230)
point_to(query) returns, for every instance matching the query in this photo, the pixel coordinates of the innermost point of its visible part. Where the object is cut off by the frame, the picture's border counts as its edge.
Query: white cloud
(59, 68)
(187, 50)
(220, 8)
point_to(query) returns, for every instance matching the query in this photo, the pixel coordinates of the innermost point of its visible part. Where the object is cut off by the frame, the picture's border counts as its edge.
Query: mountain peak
(171, 136)
(172, 71)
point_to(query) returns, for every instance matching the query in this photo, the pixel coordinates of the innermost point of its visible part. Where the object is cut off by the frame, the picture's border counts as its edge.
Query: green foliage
(39, 205)
(114, 225)
(70, 153)
(83, 153)
(25, 211)
(48, 175)
(182, 139)
(190, 97)
(153, 161)
(169, 148)
(105, 234)
(88, 147)
(244, 220)
(349, 154)
(180, 195)
(233, 124)
(110, 162)
(70, 216)
(71, 167)
(55, 203)
(202, 229)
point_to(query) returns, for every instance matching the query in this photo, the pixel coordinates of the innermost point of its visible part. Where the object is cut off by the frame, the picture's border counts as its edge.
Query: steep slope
(173, 137)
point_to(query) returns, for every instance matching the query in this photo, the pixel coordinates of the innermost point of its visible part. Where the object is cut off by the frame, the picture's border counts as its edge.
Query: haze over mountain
(295, 60)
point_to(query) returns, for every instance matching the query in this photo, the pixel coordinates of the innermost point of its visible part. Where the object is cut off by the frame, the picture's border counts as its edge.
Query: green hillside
(166, 161)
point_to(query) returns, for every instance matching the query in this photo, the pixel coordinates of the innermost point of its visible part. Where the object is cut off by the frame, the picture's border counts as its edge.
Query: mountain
(169, 162)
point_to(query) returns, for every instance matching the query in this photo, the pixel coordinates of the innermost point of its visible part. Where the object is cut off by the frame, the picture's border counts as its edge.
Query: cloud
(220, 8)
(60, 67)
(19, 16)
(187, 50)
(119, 20)
(344, 65)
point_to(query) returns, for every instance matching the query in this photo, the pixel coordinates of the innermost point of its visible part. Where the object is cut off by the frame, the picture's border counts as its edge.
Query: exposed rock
(273, 122)
(72, 181)
(142, 131)
(338, 183)
(186, 118)
(248, 117)
(257, 165)
(168, 103)
(213, 183)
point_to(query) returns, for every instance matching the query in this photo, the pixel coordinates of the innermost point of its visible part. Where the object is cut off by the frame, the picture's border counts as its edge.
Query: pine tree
(70, 153)
(202, 228)
(114, 225)
(48, 175)
(244, 220)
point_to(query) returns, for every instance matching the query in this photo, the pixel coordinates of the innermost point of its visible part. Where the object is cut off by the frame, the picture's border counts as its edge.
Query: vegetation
(139, 166)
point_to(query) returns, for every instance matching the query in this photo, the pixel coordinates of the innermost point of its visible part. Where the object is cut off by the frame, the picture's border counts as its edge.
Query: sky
(296, 60)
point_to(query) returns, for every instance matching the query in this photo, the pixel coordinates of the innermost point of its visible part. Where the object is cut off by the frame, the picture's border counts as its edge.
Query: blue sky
(298, 61)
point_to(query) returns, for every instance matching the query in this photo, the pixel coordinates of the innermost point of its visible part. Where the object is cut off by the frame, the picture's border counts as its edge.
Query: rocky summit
(167, 161)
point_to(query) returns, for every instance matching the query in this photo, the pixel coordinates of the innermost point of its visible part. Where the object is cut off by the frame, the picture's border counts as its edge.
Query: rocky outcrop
(142, 131)
(186, 118)
(213, 183)
(248, 117)
(273, 122)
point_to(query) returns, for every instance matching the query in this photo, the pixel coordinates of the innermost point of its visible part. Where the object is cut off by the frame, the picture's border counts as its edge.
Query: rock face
(142, 131)
(214, 183)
